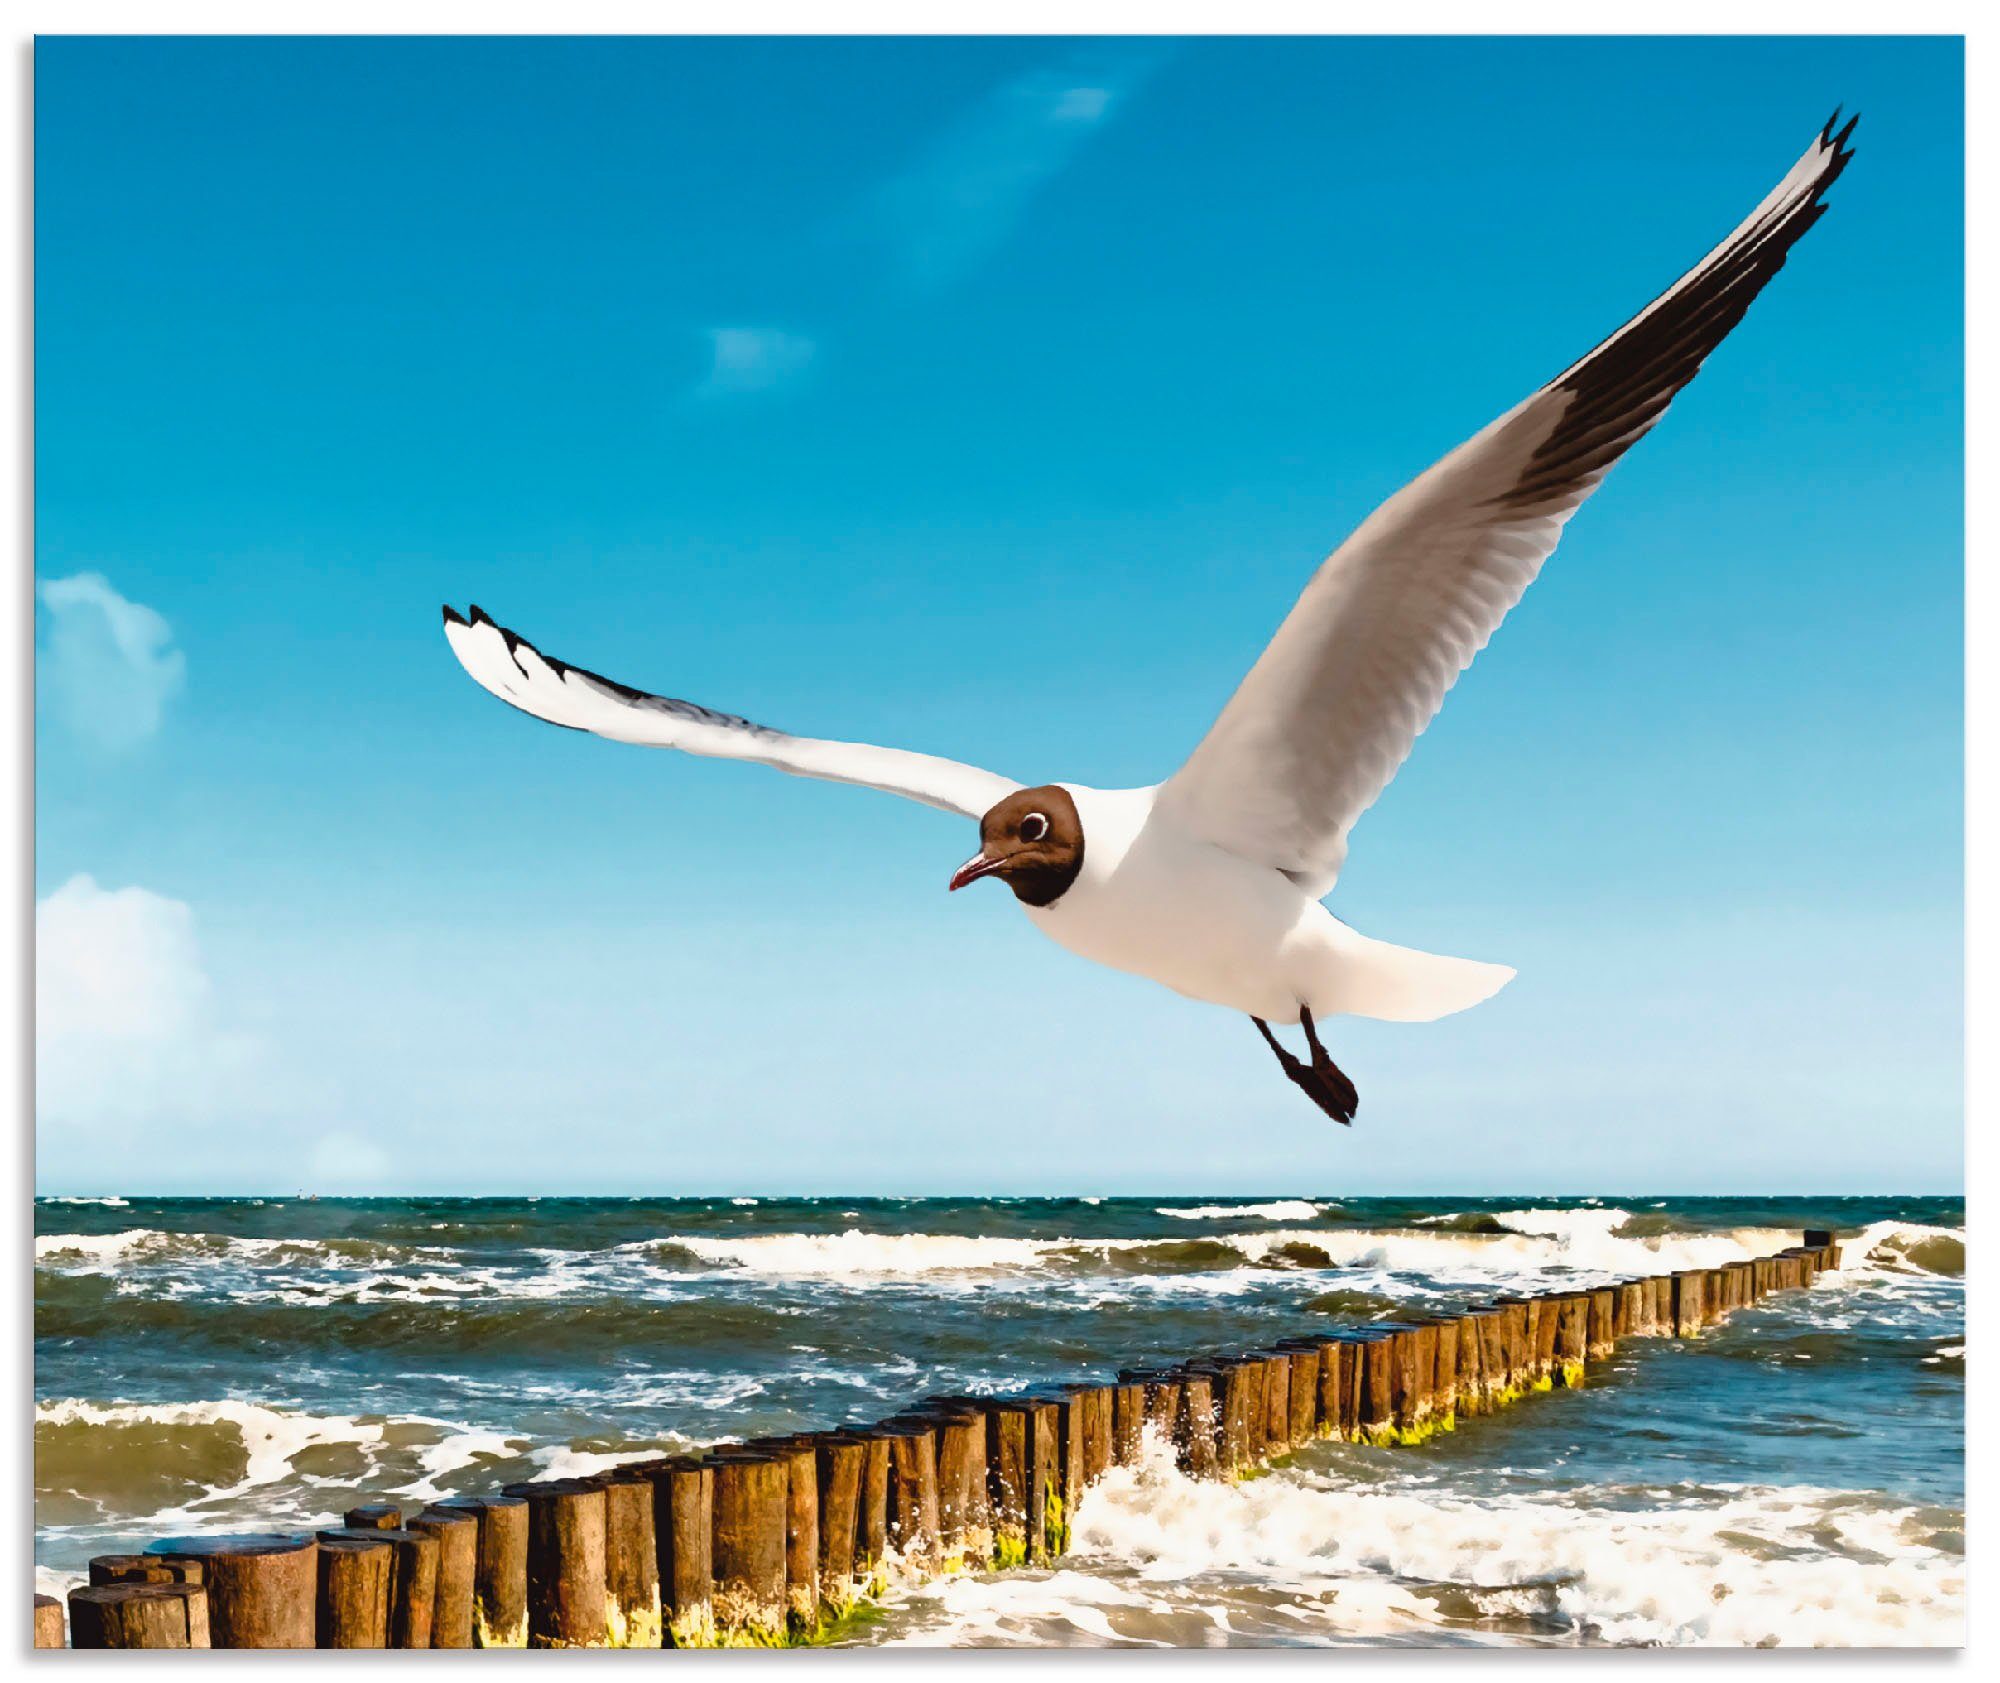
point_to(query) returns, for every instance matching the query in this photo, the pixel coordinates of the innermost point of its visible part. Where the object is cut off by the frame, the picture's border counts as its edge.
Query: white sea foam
(1283, 1209)
(1315, 1557)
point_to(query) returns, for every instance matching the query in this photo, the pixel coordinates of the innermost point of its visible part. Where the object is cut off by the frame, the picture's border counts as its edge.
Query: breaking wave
(1313, 1555)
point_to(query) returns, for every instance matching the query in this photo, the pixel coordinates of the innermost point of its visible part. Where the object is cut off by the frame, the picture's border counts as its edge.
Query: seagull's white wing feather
(1362, 663)
(522, 676)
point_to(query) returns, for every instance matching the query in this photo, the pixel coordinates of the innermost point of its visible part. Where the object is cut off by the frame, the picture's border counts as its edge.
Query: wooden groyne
(782, 1540)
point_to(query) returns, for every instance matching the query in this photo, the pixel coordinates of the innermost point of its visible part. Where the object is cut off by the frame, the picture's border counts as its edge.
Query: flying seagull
(1210, 883)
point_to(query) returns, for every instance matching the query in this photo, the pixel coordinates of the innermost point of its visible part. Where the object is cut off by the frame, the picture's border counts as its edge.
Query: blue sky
(994, 398)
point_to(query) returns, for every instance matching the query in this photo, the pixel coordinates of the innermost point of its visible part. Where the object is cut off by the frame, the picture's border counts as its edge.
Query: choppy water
(1796, 1476)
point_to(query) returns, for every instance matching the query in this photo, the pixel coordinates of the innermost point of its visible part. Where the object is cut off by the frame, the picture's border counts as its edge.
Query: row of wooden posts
(777, 1540)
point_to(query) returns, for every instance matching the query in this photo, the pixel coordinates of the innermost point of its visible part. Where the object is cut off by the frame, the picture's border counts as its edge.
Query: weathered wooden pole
(1099, 1420)
(1072, 1409)
(1377, 1406)
(631, 1561)
(1128, 1423)
(842, 1457)
(1444, 1380)
(1572, 1336)
(457, 1537)
(871, 1524)
(1474, 1386)
(566, 1597)
(747, 1545)
(961, 1451)
(1688, 1315)
(1496, 1371)
(683, 1499)
(413, 1577)
(1304, 1392)
(1348, 1359)
(374, 1516)
(1603, 1330)
(499, 1569)
(138, 1615)
(801, 1457)
(142, 1569)
(48, 1622)
(913, 1494)
(1010, 1437)
(1195, 1423)
(1277, 1402)
(263, 1587)
(356, 1569)
(1415, 1372)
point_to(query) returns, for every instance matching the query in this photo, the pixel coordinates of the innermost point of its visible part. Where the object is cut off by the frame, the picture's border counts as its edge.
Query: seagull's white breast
(1153, 900)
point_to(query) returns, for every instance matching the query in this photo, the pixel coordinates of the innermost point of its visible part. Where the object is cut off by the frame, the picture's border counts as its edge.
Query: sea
(1794, 1477)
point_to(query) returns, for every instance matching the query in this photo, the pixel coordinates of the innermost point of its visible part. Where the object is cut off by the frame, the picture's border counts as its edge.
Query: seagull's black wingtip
(480, 616)
(452, 616)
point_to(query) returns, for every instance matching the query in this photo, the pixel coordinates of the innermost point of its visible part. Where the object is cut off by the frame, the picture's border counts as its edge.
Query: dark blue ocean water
(1794, 1476)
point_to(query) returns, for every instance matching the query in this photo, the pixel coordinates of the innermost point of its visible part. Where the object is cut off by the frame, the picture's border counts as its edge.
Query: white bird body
(1157, 902)
(1210, 882)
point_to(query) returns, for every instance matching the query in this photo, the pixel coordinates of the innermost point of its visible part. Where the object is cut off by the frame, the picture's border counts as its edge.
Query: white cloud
(962, 199)
(127, 1026)
(106, 667)
(752, 359)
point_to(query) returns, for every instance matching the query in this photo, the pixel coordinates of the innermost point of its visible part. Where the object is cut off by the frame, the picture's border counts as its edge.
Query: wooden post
(499, 1568)
(1195, 1423)
(1377, 1402)
(1010, 1437)
(142, 1569)
(871, 1521)
(1415, 1371)
(631, 1562)
(801, 1459)
(1159, 1390)
(1687, 1301)
(954, 1451)
(1546, 1308)
(413, 1576)
(457, 1536)
(1303, 1391)
(1572, 1335)
(683, 1497)
(137, 1615)
(1071, 1431)
(1603, 1333)
(48, 1622)
(1128, 1424)
(913, 1494)
(356, 1568)
(566, 1600)
(1472, 1361)
(841, 1458)
(1347, 1359)
(1277, 1402)
(747, 1543)
(1444, 1375)
(1099, 1420)
(263, 1587)
(1522, 1325)
(1257, 1410)
(374, 1516)
(1044, 1480)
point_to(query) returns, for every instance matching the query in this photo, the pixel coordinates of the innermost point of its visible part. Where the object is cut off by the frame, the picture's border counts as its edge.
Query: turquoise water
(1794, 1476)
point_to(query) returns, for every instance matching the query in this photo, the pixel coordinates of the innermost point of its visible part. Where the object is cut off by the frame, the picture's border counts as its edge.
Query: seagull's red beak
(972, 870)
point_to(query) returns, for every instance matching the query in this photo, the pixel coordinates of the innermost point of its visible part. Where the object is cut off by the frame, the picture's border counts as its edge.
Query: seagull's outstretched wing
(522, 676)
(1392, 617)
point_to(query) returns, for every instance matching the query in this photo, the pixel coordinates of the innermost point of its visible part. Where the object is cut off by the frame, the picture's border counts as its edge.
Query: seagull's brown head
(1032, 841)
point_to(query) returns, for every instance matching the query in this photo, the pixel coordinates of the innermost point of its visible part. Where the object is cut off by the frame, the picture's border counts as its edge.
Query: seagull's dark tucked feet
(1321, 1081)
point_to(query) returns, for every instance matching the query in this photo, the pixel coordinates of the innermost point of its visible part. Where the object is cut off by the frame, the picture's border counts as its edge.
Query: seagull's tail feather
(1369, 978)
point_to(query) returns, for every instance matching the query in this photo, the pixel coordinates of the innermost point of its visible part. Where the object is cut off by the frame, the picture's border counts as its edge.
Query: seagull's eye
(1034, 827)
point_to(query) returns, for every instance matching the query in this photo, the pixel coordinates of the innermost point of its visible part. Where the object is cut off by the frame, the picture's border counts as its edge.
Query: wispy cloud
(753, 359)
(958, 201)
(128, 1029)
(107, 666)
